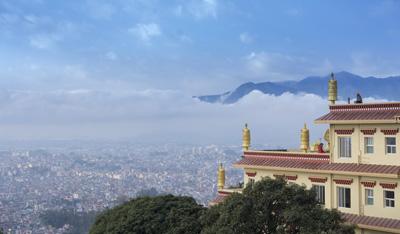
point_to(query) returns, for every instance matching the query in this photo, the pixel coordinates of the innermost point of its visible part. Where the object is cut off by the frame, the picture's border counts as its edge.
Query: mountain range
(348, 86)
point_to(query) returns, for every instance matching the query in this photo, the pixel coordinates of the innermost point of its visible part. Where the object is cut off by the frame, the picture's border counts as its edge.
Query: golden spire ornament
(246, 138)
(332, 90)
(221, 177)
(305, 139)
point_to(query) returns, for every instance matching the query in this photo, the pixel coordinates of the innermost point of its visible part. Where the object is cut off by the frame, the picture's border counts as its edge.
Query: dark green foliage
(80, 222)
(161, 214)
(271, 206)
(268, 206)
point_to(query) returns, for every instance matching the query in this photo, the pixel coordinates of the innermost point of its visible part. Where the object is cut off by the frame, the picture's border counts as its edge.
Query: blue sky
(56, 55)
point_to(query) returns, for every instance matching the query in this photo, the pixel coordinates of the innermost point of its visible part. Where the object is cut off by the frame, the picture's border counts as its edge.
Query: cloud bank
(157, 116)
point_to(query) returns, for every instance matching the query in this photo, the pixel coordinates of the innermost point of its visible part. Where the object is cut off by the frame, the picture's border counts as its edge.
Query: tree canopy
(268, 206)
(272, 206)
(161, 214)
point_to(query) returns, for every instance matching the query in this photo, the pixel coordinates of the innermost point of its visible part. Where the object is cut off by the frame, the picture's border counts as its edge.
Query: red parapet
(251, 174)
(368, 131)
(369, 184)
(343, 181)
(388, 185)
(344, 131)
(390, 131)
(318, 179)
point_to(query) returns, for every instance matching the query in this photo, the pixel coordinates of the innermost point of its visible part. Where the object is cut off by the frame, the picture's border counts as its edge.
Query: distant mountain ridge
(348, 85)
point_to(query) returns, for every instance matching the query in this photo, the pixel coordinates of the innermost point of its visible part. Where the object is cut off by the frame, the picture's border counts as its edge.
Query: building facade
(357, 172)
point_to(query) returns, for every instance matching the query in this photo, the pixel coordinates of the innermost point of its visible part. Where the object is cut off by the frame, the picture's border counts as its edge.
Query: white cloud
(44, 41)
(178, 10)
(203, 8)
(112, 56)
(145, 32)
(101, 10)
(245, 38)
(7, 18)
(158, 115)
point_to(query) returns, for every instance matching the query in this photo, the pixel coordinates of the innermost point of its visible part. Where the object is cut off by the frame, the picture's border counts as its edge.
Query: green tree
(160, 214)
(272, 206)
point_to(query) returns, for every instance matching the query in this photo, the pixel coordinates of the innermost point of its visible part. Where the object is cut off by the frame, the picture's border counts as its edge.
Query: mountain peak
(349, 85)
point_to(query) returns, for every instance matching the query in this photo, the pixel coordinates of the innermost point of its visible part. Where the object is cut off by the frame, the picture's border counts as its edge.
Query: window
(251, 182)
(320, 193)
(345, 147)
(369, 145)
(390, 145)
(344, 197)
(388, 197)
(369, 196)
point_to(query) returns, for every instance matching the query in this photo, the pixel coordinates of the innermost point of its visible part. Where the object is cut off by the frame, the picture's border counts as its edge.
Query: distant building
(357, 172)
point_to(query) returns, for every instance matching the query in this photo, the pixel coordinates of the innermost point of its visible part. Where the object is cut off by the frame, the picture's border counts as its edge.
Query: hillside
(350, 84)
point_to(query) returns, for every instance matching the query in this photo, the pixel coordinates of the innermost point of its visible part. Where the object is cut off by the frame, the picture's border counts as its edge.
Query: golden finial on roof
(246, 138)
(221, 177)
(326, 137)
(332, 90)
(305, 139)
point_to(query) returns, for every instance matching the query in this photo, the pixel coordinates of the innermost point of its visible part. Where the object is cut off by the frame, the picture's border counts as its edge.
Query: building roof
(218, 199)
(377, 223)
(362, 113)
(221, 196)
(318, 163)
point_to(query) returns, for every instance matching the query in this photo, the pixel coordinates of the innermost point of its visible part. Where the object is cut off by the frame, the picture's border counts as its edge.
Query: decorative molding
(318, 179)
(367, 106)
(368, 131)
(369, 184)
(291, 177)
(285, 154)
(343, 181)
(251, 174)
(224, 193)
(390, 131)
(388, 185)
(344, 131)
(287, 177)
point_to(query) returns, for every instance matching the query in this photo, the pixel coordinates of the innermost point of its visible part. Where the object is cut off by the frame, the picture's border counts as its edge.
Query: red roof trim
(386, 112)
(388, 185)
(344, 131)
(343, 181)
(390, 131)
(287, 177)
(366, 106)
(218, 199)
(316, 165)
(369, 184)
(368, 131)
(318, 179)
(372, 221)
(251, 174)
(224, 193)
(291, 177)
(287, 155)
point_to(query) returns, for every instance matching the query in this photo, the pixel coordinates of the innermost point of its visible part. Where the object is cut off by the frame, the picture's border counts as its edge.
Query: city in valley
(91, 177)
